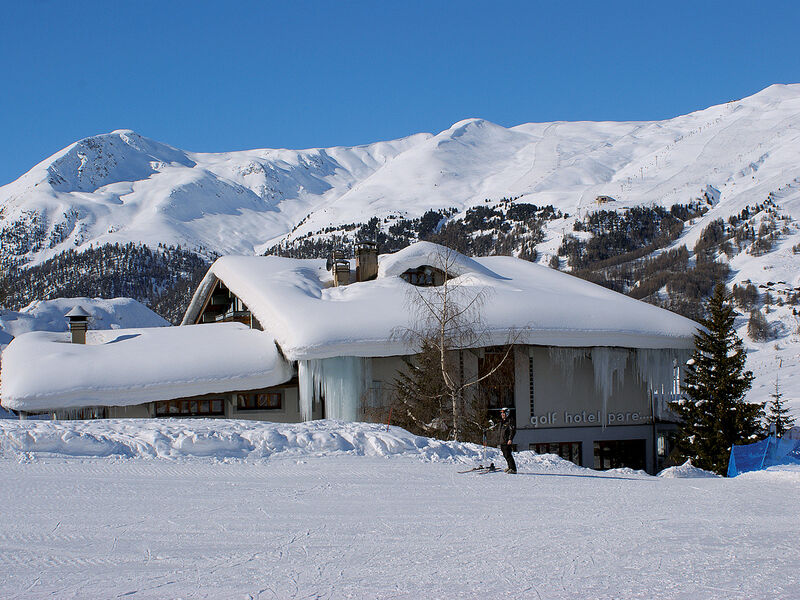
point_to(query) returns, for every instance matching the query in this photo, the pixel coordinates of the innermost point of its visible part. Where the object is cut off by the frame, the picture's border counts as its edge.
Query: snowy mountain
(122, 187)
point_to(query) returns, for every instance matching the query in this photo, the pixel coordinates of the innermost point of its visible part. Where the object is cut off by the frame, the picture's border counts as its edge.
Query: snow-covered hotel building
(285, 339)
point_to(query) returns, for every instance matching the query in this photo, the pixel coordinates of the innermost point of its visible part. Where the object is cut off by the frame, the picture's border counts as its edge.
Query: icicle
(342, 381)
(306, 370)
(566, 359)
(656, 368)
(343, 386)
(609, 364)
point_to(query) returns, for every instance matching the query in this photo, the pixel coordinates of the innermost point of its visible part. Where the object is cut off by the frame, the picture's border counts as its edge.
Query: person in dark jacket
(507, 431)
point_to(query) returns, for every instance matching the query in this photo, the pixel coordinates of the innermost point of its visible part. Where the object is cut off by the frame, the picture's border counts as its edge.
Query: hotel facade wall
(554, 407)
(557, 407)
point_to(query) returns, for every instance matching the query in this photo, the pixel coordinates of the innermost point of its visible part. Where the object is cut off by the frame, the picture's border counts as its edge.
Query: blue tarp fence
(766, 453)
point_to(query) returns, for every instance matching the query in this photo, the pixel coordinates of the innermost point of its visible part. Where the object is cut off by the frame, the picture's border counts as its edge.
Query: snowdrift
(225, 439)
(222, 439)
(687, 470)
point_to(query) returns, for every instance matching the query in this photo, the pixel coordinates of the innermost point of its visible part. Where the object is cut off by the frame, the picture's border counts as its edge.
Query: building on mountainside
(282, 339)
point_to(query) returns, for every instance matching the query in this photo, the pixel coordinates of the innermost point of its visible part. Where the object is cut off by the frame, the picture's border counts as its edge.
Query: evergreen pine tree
(712, 409)
(778, 415)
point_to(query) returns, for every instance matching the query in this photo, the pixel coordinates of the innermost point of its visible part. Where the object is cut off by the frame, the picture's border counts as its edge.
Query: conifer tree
(778, 414)
(712, 409)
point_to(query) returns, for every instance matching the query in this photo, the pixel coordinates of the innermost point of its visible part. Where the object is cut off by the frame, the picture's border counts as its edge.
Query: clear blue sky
(215, 76)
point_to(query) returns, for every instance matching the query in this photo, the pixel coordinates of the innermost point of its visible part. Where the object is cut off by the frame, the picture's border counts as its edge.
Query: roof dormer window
(424, 276)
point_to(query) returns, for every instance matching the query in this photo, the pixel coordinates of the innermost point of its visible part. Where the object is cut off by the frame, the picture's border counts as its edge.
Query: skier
(507, 431)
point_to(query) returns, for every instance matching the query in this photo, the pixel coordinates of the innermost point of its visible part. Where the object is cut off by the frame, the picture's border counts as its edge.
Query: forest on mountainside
(630, 251)
(164, 279)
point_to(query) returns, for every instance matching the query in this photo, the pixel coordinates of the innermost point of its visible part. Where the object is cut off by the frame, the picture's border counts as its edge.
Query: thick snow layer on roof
(48, 315)
(294, 300)
(434, 255)
(123, 367)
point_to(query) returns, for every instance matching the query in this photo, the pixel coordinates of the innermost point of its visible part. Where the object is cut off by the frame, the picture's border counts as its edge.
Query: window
(210, 407)
(497, 390)
(530, 383)
(94, 412)
(613, 454)
(570, 451)
(374, 397)
(676, 380)
(424, 276)
(661, 445)
(259, 401)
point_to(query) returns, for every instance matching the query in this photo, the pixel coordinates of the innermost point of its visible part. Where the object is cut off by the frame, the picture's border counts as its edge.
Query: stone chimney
(78, 324)
(366, 261)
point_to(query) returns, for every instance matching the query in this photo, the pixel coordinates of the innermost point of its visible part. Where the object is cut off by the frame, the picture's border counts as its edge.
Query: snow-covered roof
(49, 315)
(294, 301)
(123, 367)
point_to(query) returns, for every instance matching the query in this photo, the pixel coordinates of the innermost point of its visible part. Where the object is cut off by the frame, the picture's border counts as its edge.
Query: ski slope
(349, 511)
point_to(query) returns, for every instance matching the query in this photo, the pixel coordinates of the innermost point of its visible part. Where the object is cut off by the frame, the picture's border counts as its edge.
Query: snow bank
(685, 471)
(124, 367)
(223, 439)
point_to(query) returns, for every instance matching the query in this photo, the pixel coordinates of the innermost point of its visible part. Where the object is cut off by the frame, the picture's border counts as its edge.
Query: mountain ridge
(121, 186)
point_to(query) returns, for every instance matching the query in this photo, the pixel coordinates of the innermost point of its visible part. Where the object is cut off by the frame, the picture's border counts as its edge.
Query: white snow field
(228, 509)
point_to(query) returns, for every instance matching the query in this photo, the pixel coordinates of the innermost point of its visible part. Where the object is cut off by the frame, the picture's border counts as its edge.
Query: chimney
(341, 272)
(78, 324)
(340, 267)
(366, 261)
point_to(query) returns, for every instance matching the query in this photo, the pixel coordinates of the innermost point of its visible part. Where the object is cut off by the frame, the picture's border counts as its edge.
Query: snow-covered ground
(227, 509)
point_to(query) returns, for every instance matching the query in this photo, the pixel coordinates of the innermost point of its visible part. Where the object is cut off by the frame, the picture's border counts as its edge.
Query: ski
(473, 469)
(482, 469)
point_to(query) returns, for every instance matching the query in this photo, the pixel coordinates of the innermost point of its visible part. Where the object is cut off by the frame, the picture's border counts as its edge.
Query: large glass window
(570, 451)
(613, 454)
(209, 407)
(259, 401)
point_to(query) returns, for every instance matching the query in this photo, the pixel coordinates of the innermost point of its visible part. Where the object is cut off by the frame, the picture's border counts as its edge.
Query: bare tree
(446, 321)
